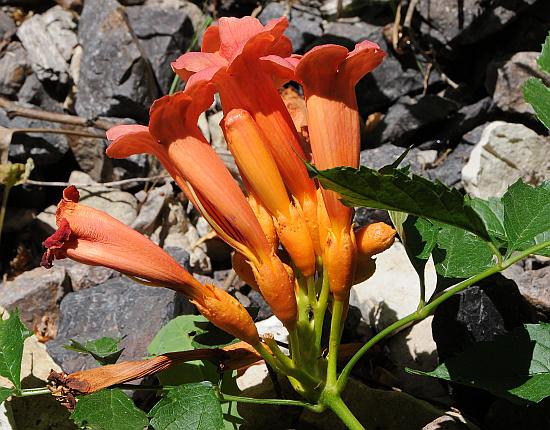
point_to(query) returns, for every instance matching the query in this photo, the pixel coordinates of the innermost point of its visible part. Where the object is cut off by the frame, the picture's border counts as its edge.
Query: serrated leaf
(109, 410)
(544, 59)
(515, 366)
(526, 214)
(538, 95)
(190, 407)
(460, 254)
(12, 336)
(5, 393)
(396, 190)
(176, 336)
(105, 350)
(491, 212)
(540, 238)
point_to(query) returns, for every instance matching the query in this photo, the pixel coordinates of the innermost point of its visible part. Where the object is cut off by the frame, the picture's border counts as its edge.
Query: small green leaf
(176, 336)
(515, 366)
(12, 336)
(397, 191)
(526, 214)
(108, 410)
(491, 212)
(190, 407)
(104, 350)
(5, 393)
(538, 95)
(540, 238)
(544, 59)
(460, 254)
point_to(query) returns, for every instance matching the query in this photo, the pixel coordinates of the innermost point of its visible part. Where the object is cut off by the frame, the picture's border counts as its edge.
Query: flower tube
(90, 236)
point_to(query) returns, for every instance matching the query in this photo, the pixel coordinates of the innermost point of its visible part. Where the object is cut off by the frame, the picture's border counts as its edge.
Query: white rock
(203, 126)
(505, 153)
(252, 377)
(217, 140)
(393, 291)
(61, 27)
(426, 157)
(273, 326)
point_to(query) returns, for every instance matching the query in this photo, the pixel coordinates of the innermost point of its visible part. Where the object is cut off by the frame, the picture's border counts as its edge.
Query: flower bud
(244, 270)
(374, 238)
(339, 260)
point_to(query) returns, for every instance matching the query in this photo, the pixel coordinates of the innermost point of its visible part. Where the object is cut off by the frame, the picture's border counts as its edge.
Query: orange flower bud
(277, 287)
(266, 221)
(243, 269)
(226, 313)
(374, 238)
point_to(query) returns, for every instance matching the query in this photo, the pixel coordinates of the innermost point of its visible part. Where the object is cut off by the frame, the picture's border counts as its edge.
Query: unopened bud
(243, 269)
(265, 220)
(374, 238)
(339, 260)
(225, 312)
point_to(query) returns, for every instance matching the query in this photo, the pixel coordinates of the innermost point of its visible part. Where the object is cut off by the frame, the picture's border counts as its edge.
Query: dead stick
(59, 131)
(98, 184)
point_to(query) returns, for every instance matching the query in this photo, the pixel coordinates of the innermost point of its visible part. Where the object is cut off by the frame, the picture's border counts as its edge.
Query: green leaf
(526, 214)
(535, 92)
(491, 212)
(538, 95)
(109, 410)
(515, 366)
(395, 190)
(177, 335)
(460, 254)
(544, 59)
(540, 238)
(5, 393)
(190, 407)
(104, 350)
(12, 336)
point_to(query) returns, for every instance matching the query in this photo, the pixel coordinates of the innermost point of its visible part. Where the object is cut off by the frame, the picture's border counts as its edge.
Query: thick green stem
(431, 306)
(335, 403)
(334, 340)
(319, 313)
(285, 402)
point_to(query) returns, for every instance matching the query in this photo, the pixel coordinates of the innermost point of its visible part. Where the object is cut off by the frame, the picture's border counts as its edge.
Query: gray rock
(408, 117)
(164, 33)
(467, 22)
(37, 293)
(61, 26)
(445, 423)
(305, 24)
(505, 153)
(449, 171)
(83, 276)
(35, 93)
(384, 155)
(180, 255)
(390, 80)
(44, 149)
(150, 211)
(117, 308)
(90, 155)
(115, 77)
(510, 78)
(14, 67)
(47, 62)
(7, 26)
(533, 285)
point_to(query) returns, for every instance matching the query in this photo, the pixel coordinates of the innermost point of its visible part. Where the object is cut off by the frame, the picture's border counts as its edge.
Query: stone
(390, 80)
(115, 76)
(510, 77)
(44, 150)
(305, 24)
(151, 209)
(505, 153)
(14, 68)
(449, 171)
(83, 276)
(46, 60)
(483, 311)
(533, 286)
(392, 292)
(257, 301)
(117, 308)
(37, 293)
(445, 423)
(274, 326)
(180, 255)
(464, 23)
(409, 117)
(164, 33)
(89, 153)
(61, 26)
(33, 92)
(216, 138)
(415, 348)
(7, 26)
(384, 155)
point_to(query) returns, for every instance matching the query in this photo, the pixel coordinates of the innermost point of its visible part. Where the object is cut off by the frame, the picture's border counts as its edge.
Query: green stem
(33, 392)
(7, 189)
(334, 340)
(431, 306)
(319, 313)
(285, 402)
(335, 403)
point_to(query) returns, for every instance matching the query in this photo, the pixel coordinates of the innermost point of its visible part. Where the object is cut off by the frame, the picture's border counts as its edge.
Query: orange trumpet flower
(174, 137)
(92, 237)
(232, 59)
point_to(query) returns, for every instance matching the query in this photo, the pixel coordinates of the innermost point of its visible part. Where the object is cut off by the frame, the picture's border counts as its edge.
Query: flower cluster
(294, 242)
